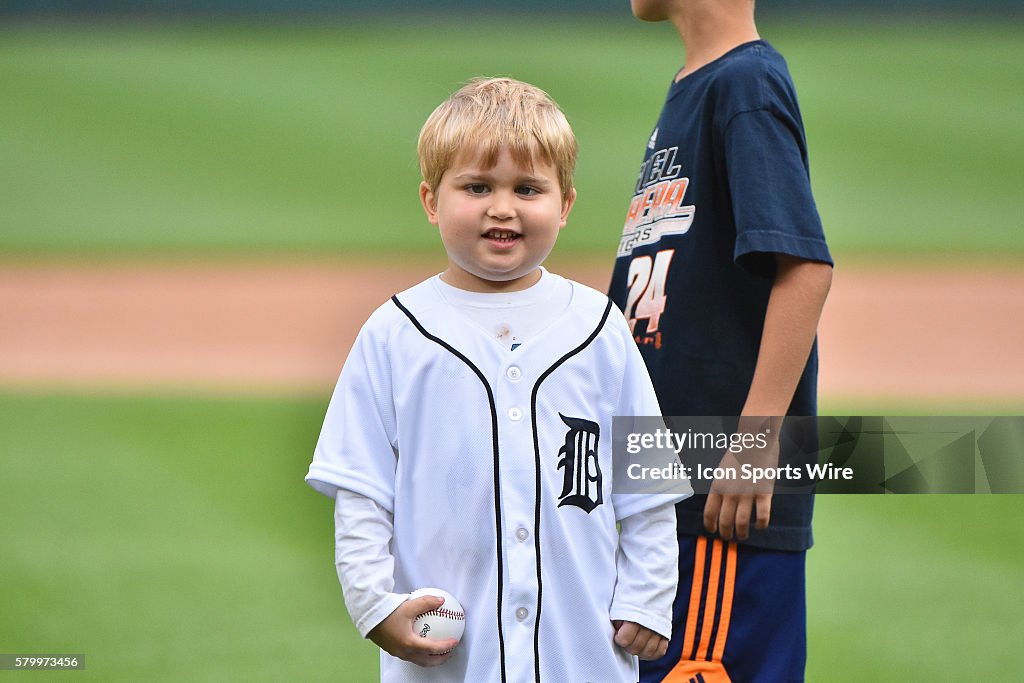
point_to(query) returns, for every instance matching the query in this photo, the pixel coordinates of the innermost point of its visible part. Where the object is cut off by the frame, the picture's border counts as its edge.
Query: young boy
(722, 272)
(468, 443)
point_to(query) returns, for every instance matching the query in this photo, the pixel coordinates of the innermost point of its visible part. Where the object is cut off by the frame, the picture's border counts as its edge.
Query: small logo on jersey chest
(582, 480)
(653, 142)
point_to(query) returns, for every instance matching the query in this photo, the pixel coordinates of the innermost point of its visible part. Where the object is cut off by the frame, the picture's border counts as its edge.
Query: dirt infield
(888, 334)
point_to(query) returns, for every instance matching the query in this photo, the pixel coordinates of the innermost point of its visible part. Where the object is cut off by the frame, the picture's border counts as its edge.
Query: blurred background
(200, 202)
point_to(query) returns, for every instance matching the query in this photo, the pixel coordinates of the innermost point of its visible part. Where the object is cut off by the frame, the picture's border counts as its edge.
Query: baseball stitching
(442, 612)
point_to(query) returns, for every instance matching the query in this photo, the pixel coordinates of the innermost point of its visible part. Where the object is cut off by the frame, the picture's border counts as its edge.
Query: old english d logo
(578, 458)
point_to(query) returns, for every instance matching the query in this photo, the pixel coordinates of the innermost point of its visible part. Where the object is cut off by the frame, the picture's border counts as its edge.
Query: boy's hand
(729, 506)
(731, 503)
(395, 635)
(639, 640)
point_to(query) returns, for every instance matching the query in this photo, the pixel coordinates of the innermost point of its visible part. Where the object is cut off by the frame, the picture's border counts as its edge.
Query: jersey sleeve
(770, 191)
(358, 447)
(637, 398)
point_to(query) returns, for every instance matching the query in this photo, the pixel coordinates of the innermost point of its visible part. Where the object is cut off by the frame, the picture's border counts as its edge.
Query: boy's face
(497, 224)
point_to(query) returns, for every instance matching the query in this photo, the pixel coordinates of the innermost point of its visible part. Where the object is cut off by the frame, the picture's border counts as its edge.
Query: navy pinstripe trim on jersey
(497, 483)
(537, 469)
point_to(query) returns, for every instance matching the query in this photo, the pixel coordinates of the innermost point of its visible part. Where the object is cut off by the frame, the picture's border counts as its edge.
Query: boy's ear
(567, 203)
(428, 198)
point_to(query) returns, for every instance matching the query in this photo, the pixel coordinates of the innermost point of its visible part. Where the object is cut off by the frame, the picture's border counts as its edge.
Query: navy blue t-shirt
(724, 185)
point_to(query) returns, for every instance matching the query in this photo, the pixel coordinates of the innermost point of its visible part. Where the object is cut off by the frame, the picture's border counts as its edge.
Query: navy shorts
(740, 616)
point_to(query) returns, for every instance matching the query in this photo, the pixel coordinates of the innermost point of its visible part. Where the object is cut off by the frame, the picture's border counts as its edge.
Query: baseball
(447, 621)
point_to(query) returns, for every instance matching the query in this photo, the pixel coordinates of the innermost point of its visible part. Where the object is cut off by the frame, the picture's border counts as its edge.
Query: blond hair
(489, 114)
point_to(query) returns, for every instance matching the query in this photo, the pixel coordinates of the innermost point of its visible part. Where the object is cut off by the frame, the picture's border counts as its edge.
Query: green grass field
(139, 138)
(173, 539)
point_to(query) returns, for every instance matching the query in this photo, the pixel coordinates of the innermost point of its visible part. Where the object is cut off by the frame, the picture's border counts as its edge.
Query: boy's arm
(791, 322)
(645, 586)
(648, 553)
(362, 534)
(363, 531)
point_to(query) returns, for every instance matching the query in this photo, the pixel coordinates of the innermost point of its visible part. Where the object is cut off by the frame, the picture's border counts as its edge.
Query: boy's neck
(470, 283)
(711, 28)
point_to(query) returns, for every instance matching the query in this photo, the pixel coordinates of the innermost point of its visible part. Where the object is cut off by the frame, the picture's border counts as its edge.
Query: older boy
(468, 442)
(722, 272)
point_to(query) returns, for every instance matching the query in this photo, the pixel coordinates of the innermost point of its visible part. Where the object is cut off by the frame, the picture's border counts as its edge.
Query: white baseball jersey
(497, 467)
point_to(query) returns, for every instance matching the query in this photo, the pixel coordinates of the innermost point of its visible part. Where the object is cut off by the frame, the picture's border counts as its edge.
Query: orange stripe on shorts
(712, 599)
(728, 590)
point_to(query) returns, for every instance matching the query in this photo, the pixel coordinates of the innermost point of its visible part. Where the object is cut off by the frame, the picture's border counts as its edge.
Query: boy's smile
(502, 238)
(498, 223)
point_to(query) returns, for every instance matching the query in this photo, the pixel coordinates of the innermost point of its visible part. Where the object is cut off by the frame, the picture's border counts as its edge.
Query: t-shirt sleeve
(358, 445)
(647, 570)
(363, 531)
(770, 192)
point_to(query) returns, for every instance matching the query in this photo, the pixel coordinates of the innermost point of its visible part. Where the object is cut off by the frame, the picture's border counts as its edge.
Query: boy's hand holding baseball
(639, 640)
(395, 635)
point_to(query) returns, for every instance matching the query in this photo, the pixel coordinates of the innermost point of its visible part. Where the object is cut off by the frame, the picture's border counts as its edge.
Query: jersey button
(514, 373)
(522, 613)
(522, 534)
(515, 414)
